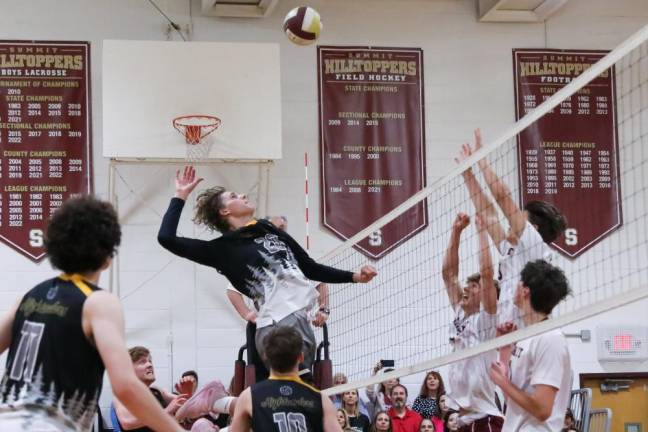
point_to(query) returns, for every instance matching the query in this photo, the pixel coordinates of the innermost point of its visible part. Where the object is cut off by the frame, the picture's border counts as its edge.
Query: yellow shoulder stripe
(78, 281)
(293, 378)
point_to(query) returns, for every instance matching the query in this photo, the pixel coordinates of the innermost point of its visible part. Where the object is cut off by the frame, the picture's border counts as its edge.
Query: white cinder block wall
(179, 309)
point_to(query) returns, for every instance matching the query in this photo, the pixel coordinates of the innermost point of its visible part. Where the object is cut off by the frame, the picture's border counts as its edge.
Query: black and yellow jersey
(51, 363)
(286, 404)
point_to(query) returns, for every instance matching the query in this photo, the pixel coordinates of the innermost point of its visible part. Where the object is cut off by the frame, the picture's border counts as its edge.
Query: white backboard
(146, 84)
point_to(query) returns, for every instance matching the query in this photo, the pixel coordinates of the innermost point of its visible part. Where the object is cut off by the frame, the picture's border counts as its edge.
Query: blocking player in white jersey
(531, 230)
(475, 321)
(539, 389)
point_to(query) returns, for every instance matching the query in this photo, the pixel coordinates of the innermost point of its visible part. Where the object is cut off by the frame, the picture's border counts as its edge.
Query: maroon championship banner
(45, 136)
(570, 156)
(372, 142)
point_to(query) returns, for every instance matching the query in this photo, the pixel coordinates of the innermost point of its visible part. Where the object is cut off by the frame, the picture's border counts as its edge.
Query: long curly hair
(208, 206)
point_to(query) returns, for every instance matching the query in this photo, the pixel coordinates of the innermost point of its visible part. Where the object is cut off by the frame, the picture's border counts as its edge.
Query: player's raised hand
(186, 182)
(478, 145)
(365, 274)
(461, 222)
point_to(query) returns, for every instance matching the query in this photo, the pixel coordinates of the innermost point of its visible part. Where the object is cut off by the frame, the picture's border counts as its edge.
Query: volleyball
(302, 25)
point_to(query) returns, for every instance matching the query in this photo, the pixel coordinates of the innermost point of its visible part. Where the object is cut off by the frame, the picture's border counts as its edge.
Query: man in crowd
(403, 419)
(175, 405)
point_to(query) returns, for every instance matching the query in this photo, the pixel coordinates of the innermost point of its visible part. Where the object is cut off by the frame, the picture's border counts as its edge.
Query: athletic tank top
(287, 403)
(51, 364)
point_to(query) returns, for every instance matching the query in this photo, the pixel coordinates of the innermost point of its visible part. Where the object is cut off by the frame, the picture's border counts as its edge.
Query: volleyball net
(600, 185)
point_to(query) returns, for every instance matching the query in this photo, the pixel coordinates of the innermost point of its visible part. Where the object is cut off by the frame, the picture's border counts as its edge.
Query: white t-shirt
(470, 384)
(530, 247)
(279, 303)
(544, 360)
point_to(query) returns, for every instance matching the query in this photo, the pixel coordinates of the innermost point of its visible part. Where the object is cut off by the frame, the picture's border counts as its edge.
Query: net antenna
(196, 129)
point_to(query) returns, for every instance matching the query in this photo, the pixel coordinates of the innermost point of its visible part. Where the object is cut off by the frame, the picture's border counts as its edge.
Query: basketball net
(197, 129)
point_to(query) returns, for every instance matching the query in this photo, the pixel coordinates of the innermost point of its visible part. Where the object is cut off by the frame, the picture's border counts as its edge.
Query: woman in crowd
(350, 404)
(381, 422)
(343, 420)
(427, 426)
(451, 421)
(339, 379)
(378, 394)
(427, 402)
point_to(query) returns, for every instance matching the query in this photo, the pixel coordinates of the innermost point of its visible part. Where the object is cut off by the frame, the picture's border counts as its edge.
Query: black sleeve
(199, 251)
(311, 269)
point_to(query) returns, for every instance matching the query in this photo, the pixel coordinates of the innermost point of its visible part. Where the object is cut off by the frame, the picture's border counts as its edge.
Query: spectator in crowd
(378, 394)
(427, 425)
(350, 403)
(343, 420)
(143, 365)
(339, 379)
(381, 422)
(427, 402)
(538, 385)
(570, 422)
(403, 418)
(218, 415)
(451, 421)
(188, 383)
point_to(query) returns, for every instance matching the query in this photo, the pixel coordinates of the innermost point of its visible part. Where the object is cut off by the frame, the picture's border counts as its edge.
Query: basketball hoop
(195, 128)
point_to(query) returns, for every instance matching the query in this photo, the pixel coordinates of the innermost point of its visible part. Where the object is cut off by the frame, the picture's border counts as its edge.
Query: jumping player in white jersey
(531, 230)
(475, 321)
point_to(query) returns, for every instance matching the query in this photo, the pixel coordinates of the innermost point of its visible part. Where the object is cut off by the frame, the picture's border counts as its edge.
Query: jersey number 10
(290, 422)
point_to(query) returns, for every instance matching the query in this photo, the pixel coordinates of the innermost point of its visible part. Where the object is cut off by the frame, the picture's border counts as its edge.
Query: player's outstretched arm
(486, 273)
(329, 418)
(242, 420)
(501, 193)
(483, 205)
(192, 249)
(450, 270)
(322, 273)
(103, 322)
